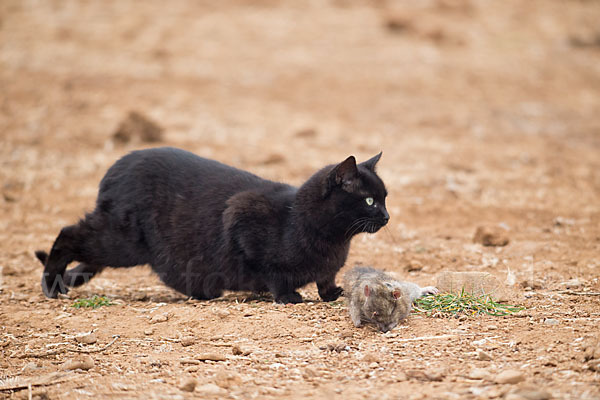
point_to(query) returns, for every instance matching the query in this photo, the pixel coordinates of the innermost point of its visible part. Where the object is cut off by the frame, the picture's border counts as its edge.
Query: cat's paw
(332, 294)
(286, 298)
(427, 290)
(53, 285)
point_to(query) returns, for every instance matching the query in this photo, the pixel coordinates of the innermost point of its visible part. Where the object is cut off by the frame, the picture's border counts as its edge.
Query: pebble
(532, 393)
(187, 341)
(370, 358)
(510, 376)
(483, 356)
(436, 374)
(86, 338)
(572, 283)
(191, 369)
(164, 317)
(84, 363)
(221, 313)
(227, 379)
(480, 373)
(309, 372)
(148, 331)
(30, 366)
(551, 321)
(210, 389)
(211, 357)
(240, 351)
(489, 236)
(188, 384)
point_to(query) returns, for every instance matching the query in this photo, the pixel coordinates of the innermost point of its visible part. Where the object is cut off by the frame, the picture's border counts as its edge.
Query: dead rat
(375, 297)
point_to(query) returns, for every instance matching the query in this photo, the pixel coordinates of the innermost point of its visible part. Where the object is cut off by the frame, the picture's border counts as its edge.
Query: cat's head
(348, 198)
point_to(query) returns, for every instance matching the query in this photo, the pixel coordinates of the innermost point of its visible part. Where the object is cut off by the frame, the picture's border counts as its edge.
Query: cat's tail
(42, 256)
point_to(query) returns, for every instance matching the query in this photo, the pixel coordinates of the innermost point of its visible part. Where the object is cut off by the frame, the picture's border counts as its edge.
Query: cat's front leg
(328, 290)
(287, 298)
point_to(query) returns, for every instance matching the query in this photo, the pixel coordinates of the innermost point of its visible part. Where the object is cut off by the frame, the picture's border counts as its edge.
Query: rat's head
(347, 197)
(385, 305)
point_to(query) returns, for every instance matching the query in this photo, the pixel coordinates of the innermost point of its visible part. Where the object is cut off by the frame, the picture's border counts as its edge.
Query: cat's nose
(385, 216)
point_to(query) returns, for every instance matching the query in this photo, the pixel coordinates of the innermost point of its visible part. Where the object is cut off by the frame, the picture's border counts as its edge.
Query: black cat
(205, 227)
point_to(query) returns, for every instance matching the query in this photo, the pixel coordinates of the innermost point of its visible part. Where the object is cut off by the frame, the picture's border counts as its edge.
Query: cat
(205, 227)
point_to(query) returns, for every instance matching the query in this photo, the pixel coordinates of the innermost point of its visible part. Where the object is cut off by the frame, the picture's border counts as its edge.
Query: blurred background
(486, 112)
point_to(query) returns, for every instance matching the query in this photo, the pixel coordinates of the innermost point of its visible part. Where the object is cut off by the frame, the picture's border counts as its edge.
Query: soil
(487, 115)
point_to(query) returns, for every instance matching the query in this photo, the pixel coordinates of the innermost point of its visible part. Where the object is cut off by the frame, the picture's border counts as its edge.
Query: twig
(65, 349)
(426, 338)
(46, 380)
(115, 337)
(579, 293)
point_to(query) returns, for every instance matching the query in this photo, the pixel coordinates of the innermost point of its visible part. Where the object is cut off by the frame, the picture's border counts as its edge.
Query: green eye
(369, 201)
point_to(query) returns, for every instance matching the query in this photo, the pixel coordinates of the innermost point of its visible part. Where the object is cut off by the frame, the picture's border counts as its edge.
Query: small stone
(572, 283)
(594, 365)
(473, 282)
(164, 317)
(227, 379)
(489, 236)
(373, 365)
(30, 366)
(211, 357)
(551, 321)
(191, 369)
(210, 389)
(413, 266)
(137, 125)
(188, 384)
(480, 374)
(84, 363)
(86, 338)
(240, 351)
(187, 341)
(510, 376)
(148, 331)
(436, 374)
(222, 313)
(346, 334)
(309, 372)
(483, 356)
(370, 358)
(532, 393)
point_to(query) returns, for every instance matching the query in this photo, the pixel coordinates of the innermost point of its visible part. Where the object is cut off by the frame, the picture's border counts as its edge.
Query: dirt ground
(487, 115)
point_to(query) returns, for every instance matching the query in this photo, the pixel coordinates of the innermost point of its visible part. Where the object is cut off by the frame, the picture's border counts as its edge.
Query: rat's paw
(287, 298)
(332, 294)
(427, 290)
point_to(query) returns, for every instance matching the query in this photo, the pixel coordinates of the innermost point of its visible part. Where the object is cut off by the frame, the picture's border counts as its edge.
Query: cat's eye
(369, 201)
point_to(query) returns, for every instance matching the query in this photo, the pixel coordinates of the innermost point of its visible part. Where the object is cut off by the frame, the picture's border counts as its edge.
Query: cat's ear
(367, 291)
(396, 293)
(372, 162)
(342, 174)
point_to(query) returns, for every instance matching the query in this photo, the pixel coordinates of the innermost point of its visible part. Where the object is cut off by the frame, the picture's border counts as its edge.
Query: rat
(375, 297)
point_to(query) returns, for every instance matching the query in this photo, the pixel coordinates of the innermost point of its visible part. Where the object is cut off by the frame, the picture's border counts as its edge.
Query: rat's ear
(396, 293)
(342, 174)
(372, 162)
(367, 291)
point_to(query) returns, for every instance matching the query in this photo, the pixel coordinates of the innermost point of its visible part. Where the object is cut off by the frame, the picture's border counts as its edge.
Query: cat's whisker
(389, 231)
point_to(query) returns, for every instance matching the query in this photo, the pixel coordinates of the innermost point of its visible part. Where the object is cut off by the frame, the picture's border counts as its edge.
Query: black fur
(205, 227)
